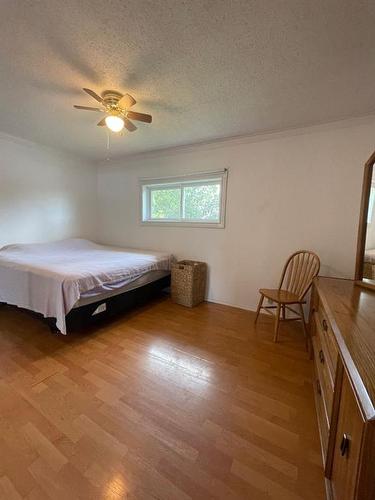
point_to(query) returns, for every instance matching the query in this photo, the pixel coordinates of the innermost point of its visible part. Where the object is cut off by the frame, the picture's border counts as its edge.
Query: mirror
(365, 263)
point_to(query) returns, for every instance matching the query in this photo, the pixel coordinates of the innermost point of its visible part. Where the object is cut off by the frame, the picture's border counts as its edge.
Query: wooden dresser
(342, 329)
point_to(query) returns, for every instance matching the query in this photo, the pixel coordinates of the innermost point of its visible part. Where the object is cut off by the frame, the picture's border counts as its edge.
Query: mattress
(50, 278)
(111, 289)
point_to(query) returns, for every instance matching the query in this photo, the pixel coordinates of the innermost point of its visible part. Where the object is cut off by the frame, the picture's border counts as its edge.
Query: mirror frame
(362, 227)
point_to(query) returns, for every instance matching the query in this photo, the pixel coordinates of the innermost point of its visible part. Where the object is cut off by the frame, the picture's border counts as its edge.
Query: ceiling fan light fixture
(116, 107)
(114, 123)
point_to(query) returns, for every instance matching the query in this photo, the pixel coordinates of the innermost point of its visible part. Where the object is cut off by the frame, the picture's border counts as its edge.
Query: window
(192, 200)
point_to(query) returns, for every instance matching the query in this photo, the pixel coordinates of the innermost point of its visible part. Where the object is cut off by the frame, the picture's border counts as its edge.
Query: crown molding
(61, 153)
(241, 139)
(197, 146)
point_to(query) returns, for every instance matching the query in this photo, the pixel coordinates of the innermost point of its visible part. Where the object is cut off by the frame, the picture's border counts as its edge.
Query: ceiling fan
(116, 106)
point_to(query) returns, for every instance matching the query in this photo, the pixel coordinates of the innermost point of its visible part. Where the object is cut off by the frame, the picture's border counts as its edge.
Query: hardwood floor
(163, 403)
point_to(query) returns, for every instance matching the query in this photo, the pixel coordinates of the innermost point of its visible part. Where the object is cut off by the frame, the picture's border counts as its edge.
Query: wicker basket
(189, 282)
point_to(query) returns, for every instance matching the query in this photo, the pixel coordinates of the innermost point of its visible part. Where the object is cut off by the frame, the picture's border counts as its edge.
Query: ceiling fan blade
(87, 108)
(101, 123)
(141, 117)
(126, 101)
(93, 94)
(129, 125)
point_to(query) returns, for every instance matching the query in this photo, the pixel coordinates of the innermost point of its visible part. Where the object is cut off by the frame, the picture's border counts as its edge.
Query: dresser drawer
(346, 454)
(324, 354)
(328, 336)
(323, 423)
(325, 381)
(321, 400)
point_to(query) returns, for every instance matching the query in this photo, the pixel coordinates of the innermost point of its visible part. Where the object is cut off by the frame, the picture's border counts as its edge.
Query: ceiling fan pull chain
(108, 145)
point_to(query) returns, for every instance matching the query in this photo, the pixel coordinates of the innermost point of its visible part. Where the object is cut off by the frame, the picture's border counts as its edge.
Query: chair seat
(280, 296)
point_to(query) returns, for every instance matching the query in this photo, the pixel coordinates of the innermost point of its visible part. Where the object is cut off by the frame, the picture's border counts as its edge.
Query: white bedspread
(49, 278)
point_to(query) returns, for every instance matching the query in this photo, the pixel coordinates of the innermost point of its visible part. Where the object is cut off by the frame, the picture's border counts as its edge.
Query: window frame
(147, 185)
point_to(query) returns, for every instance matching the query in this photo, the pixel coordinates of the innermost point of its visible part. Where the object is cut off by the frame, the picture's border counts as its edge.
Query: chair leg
(283, 312)
(277, 322)
(304, 326)
(259, 308)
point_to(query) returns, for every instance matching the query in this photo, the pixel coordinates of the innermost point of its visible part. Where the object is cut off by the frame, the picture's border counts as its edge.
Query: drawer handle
(325, 325)
(321, 356)
(318, 388)
(344, 446)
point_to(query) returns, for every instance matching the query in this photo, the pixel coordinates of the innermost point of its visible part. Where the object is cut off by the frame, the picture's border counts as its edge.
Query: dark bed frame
(83, 317)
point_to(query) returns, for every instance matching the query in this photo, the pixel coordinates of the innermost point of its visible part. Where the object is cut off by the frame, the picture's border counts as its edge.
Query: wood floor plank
(164, 402)
(8, 490)
(44, 447)
(263, 483)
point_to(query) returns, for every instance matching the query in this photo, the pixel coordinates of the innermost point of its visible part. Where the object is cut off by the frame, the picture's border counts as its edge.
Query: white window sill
(160, 223)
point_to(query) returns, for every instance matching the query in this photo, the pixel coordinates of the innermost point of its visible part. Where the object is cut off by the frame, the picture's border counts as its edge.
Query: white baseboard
(251, 308)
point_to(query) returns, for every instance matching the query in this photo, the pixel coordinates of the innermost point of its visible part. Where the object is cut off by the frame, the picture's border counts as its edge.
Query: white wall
(299, 189)
(44, 195)
(370, 232)
(286, 191)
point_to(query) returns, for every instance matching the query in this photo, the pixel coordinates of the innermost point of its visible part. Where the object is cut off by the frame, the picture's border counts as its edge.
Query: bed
(74, 278)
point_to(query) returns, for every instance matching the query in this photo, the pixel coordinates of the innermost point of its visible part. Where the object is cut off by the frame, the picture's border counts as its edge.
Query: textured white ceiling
(204, 69)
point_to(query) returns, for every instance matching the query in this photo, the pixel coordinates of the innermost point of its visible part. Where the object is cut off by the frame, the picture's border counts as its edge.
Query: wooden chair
(296, 280)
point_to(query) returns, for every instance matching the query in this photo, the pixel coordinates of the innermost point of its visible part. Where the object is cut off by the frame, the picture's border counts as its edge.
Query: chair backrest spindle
(299, 271)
